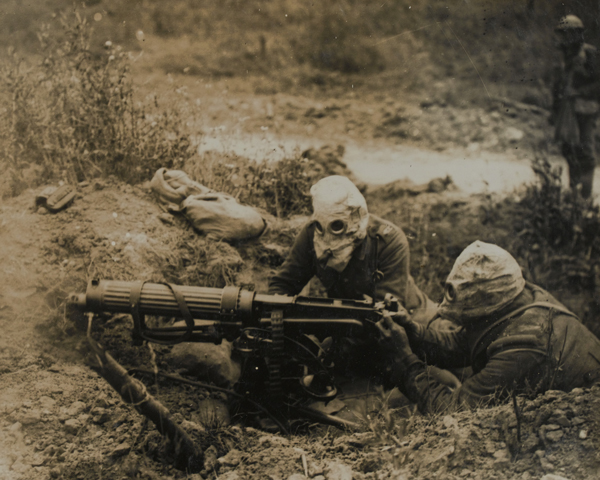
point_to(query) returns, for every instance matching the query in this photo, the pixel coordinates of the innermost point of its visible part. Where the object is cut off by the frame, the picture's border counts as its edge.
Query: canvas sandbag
(221, 216)
(172, 187)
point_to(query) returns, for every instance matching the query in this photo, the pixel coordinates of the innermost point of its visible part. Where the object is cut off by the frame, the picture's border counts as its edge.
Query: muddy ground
(59, 419)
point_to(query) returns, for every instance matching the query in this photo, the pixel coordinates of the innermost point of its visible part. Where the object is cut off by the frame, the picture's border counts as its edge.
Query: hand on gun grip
(401, 316)
(393, 337)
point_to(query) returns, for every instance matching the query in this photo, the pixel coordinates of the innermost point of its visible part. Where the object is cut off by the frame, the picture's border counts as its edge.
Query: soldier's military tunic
(378, 266)
(532, 345)
(580, 72)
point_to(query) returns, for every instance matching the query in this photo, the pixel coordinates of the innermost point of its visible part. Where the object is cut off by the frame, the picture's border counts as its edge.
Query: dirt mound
(60, 420)
(551, 435)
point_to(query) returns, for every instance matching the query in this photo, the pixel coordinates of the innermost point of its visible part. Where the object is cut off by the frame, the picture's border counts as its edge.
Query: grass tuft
(72, 116)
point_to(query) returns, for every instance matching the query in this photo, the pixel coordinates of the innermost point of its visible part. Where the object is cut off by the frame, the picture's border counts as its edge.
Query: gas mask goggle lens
(450, 293)
(336, 227)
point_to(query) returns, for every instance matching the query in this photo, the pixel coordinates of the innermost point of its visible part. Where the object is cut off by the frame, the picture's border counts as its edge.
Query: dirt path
(378, 162)
(483, 149)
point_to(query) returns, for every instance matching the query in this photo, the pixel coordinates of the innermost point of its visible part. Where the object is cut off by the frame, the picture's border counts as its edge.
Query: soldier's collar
(361, 251)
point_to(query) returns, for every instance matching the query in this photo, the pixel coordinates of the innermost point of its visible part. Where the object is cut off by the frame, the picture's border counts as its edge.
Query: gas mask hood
(484, 279)
(340, 220)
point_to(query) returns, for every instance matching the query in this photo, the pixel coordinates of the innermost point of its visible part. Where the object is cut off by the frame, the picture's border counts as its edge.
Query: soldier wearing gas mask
(515, 336)
(355, 254)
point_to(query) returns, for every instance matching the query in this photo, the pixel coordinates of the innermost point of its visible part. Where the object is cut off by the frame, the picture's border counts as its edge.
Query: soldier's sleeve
(444, 347)
(297, 269)
(592, 89)
(412, 376)
(393, 264)
(514, 363)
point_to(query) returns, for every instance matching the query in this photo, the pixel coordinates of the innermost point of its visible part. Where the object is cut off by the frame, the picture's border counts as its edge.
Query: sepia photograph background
(439, 111)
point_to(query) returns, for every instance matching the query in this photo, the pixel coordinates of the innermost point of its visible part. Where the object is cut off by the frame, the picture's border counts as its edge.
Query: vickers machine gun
(274, 335)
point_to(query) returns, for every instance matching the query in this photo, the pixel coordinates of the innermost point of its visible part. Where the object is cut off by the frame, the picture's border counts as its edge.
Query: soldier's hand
(403, 318)
(400, 315)
(393, 337)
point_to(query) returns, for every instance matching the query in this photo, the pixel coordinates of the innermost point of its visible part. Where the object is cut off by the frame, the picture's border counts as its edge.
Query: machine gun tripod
(273, 334)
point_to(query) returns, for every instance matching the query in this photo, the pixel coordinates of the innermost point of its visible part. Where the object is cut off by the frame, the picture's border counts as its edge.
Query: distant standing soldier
(576, 95)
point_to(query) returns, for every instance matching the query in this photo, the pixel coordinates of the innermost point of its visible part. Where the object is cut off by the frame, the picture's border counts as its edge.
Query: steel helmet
(484, 279)
(569, 22)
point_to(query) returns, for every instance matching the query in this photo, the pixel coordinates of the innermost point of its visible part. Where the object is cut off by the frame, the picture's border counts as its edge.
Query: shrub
(73, 115)
(334, 39)
(280, 187)
(554, 233)
(556, 230)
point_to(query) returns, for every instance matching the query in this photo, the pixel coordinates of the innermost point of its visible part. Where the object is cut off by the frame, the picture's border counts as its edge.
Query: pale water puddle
(377, 163)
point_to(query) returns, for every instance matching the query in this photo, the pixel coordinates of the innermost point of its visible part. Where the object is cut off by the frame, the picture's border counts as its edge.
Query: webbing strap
(185, 313)
(139, 324)
(514, 313)
(376, 274)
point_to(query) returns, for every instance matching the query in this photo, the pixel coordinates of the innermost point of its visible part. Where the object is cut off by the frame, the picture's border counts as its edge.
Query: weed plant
(556, 239)
(550, 230)
(556, 231)
(281, 188)
(72, 116)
